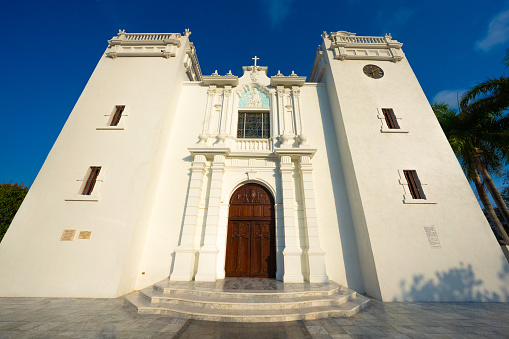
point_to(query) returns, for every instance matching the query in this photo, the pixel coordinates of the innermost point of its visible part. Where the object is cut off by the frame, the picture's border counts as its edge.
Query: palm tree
(481, 143)
(505, 190)
(490, 100)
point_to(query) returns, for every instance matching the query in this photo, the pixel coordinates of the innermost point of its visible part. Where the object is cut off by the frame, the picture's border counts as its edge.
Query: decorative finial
(293, 74)
(279, 73)
(121, 31)
(229, 73)
(255, 59)
(187, 32)
(215, 74)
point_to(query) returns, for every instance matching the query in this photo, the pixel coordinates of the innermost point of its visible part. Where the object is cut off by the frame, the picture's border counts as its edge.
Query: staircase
(247, 300)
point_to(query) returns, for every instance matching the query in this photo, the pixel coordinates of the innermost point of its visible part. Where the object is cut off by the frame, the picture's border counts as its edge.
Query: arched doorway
(251, 241)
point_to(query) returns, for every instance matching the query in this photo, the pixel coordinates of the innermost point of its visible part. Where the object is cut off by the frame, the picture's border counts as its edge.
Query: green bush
(11, 197)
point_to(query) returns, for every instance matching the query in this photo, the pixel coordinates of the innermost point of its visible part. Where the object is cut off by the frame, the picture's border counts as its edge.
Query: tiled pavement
(111, 318)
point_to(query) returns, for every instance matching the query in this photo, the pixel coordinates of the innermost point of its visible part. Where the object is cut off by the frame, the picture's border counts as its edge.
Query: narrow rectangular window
(117, 115)
(92, 178)
(390, 118)
(414, 184)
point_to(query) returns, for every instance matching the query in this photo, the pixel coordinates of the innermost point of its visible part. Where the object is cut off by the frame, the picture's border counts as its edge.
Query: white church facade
(161, 172)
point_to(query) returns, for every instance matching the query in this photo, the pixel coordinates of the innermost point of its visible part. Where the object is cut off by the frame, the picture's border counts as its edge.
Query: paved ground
(111, 318)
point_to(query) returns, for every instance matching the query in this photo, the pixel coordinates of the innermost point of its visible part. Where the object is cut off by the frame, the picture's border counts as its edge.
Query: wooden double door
(251, 241)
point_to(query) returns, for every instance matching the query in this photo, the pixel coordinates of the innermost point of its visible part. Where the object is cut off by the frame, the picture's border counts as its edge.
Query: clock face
(373, 71)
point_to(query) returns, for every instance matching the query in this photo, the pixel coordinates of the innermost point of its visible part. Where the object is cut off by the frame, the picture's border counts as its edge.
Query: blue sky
(50, 48)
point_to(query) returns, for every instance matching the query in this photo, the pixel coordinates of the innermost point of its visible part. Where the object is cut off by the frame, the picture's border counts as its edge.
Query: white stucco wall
(397, 260)
(33, 260)
(336, 227)
(374, 240)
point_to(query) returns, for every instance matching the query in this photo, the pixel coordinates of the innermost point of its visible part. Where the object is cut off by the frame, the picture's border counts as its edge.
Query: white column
(289, 116)
(234, 118)
(224, 134)
(185, 254)
(225, 116)
(281, 109)
(299, 128)
(273, 118)
(215, 118)
(292, 253)
(315, 254)
(280, 240)
(208, 111)
(207, 260)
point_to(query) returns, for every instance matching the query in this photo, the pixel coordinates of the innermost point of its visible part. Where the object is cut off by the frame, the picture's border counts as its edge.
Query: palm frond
(492, 96)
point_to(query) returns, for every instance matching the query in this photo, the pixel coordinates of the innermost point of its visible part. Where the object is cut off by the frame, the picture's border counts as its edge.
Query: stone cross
(255, 59)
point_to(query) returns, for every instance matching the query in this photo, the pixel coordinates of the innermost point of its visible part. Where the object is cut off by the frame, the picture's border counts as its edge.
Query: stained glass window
(253, 125)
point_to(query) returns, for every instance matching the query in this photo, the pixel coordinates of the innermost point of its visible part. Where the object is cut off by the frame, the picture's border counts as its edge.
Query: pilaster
(185, 254)
(273, 117)
(292, 253)
(281, 109)
(288, 116)
(315, 254)
(215, 118)
(299, 129)
(226, 117)
(207, 261)
(211, 92)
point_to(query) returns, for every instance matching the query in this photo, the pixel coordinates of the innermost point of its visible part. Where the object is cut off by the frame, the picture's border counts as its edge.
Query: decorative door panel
(267, 211)
(261, 254)
(251, 240)
(239, 239)
(246, 211)
(235, 210)
(258, 211)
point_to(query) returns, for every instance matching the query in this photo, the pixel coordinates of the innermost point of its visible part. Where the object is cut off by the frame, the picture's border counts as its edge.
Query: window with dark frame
(390, 118)
(414, 184)
(117, 115)
(253, 126)
(92, 178)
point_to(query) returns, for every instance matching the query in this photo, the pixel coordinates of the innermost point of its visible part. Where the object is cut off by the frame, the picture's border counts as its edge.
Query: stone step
(291, 290)
(253, 300)
(250, 302)
(143, 306)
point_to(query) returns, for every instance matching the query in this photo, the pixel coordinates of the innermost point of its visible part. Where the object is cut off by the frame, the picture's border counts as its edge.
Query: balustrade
(253, 145)
(148, 36)
(361, 39)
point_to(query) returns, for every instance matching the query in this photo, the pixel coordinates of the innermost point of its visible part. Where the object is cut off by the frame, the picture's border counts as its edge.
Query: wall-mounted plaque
(68, 235)
(432, 235)
(84, 234)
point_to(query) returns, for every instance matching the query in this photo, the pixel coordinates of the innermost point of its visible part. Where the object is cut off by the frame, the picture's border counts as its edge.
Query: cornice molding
(221, 80)
(318, 69)
(295, 152)
(144, 44)
(209, 151)
(288, 81)
(191, 63)
(349, 46)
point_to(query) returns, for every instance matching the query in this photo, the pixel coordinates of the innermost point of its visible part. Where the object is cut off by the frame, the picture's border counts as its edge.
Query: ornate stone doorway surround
(292, 261)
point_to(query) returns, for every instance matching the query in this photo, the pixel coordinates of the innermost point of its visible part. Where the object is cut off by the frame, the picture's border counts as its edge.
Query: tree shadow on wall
(456, 284)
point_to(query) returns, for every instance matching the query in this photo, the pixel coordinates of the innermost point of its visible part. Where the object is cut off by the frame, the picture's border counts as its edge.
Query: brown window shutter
(390, 118)
(118, 114)
(413, 184)
(92, 178)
